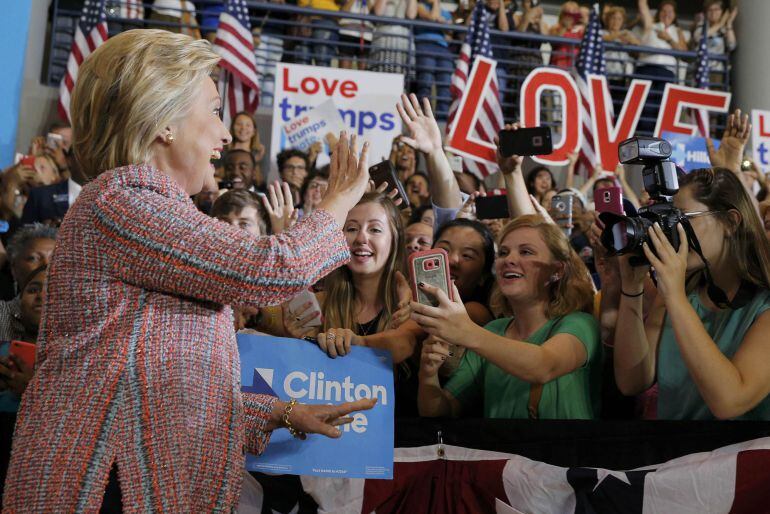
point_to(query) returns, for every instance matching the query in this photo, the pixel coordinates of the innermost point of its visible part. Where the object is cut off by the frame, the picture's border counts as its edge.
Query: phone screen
(526, 141)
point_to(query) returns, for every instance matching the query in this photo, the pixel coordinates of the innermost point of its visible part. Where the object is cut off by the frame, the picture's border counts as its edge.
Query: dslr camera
(626, 234)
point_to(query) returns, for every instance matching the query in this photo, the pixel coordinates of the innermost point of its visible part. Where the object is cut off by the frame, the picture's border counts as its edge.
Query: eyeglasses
(697, 214)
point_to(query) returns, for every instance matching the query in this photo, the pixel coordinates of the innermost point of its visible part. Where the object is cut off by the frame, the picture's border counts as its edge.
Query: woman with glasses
(705, 337)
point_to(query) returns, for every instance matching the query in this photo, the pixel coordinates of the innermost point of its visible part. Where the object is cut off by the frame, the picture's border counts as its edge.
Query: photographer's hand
(670, 265)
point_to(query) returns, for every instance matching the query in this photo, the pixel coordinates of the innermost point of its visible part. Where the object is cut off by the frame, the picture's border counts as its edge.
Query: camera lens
(622, 234)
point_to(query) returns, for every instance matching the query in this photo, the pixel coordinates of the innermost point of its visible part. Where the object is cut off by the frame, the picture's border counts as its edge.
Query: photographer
(708, 353)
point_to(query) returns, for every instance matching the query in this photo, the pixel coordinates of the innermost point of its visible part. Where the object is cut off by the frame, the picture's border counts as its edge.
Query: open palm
(424, 133)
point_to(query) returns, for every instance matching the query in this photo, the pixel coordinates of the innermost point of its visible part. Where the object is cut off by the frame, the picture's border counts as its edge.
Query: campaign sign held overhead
(293, 368)
(689, 152)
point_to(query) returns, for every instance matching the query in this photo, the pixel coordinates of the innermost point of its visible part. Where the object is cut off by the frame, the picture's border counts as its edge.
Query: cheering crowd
(541, 321)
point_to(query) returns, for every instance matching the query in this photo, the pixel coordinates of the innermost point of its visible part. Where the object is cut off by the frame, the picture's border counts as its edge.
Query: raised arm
(502, 18)
(644, 12)
(167, 245)
(519, 202)
(425, 136)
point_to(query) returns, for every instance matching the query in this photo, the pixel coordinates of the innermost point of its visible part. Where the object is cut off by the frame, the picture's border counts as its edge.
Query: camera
(626, 234)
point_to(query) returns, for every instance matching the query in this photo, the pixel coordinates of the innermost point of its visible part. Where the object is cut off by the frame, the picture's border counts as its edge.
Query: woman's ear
(735, 218)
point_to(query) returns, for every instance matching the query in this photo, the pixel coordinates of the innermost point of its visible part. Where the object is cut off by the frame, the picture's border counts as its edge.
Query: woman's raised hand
(448, 321)
(348, 177)
(280, 207)
(424, 132)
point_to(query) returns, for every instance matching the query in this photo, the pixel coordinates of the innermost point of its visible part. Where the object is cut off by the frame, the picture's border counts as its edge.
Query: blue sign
(689, 152)
(298, 369)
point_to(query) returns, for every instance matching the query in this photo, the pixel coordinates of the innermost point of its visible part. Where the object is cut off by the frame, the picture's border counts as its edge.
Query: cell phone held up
(385, 172)
(429, 267)
(561, 212)
(609, 199)
(526, 141)
(492, 207)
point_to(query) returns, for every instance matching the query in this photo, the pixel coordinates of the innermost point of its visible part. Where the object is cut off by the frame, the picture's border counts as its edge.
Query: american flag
(238, 82)
(702, 78)
(490, 120)
(89, 34)
(590, 61)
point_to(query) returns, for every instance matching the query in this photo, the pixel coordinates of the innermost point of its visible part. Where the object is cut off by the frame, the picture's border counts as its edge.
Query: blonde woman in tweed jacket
(137, 362)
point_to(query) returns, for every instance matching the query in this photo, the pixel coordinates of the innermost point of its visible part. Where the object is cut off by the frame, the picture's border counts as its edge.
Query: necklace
(365, 329)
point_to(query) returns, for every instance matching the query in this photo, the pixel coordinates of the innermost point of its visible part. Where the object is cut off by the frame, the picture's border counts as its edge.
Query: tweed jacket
(137, 359)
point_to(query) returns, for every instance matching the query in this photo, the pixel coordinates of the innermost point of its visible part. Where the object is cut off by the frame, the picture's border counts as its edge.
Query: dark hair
(287, 154)
(238, 150)
(417, 213)
(236, 200)
(533, 174)
(481, 294)
(323, 173)
(418, 174)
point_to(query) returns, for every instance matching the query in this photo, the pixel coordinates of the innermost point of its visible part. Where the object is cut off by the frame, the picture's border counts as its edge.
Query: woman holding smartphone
(541, 359)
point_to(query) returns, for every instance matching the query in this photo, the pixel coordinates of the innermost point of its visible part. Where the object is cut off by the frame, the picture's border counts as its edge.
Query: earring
(554, 278)
(169, 138)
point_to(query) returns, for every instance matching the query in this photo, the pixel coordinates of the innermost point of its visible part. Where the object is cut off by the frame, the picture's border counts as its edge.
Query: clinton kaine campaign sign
(366, 102)
(293, 368)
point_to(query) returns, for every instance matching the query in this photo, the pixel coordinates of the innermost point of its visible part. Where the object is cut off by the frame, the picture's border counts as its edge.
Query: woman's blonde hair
(340, 301)
(131, 88)
(572, 292)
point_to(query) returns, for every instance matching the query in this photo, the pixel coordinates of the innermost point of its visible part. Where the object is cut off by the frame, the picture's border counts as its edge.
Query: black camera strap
(745, 292)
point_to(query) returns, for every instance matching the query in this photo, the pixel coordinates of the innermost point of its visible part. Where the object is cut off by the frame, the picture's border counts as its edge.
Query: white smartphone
(296, 303)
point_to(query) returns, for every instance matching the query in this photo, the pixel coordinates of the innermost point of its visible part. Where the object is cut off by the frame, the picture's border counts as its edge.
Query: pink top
(137, 359)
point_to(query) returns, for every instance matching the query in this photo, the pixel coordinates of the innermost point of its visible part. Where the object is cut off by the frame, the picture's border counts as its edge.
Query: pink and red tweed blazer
(137, 359)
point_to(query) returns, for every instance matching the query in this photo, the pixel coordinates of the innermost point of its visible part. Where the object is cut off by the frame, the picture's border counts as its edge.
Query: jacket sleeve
(257, 409)
(162, 244)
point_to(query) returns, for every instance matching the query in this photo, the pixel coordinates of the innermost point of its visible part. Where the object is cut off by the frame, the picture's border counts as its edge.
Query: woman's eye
(218, 112)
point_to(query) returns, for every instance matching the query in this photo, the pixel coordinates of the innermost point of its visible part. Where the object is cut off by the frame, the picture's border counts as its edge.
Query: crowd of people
(533, 307)
(426, 55)
(542, 322)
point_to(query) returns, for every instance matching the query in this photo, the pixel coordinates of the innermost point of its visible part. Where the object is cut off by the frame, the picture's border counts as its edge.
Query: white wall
(38, 102)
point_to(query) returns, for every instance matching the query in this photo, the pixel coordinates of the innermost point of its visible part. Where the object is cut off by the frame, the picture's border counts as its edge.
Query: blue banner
(689, 152)
(292, 368)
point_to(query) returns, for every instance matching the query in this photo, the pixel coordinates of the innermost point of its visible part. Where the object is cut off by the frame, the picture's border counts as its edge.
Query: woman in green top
(542, 359)
(709, 361)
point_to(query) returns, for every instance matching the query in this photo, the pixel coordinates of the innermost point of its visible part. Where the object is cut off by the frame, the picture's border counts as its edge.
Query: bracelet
(293, 431)
(632, 295)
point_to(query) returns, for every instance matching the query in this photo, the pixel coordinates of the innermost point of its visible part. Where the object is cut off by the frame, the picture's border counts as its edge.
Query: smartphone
(4, 226)
(385, 172)
(53, 141)
(609, 199)
(526, 141)
(430, 267)
(28, 160)
(561, 211)
(492, 207)
(225, 184)
(296, 303)
(24, 351)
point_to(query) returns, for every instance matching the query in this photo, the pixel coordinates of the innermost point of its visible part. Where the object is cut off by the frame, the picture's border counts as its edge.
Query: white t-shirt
(173, 7)
(651, 39)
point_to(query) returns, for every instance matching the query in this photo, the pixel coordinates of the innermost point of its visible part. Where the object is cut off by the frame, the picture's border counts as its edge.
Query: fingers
(287, 199)
(684, 244)
(426, 322)
(455, 293)
(427, 109)
(402, 113)
(408, 107)
(381, 188)
(343, 153)
(363, 160)
(415, 104)
(338, 411)
(266, 204)
(340, 421)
